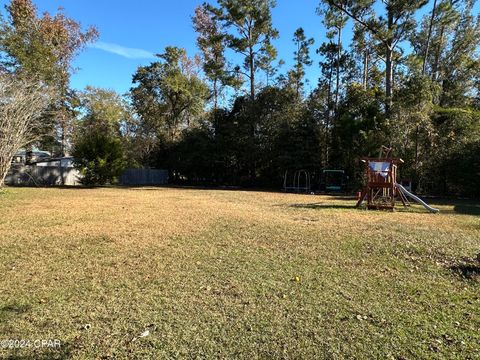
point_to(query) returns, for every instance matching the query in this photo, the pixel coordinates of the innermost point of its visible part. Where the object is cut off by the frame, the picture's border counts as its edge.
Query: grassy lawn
(231, 274)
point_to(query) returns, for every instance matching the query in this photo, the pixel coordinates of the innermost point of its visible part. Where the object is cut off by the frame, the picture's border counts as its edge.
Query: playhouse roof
(371, 159)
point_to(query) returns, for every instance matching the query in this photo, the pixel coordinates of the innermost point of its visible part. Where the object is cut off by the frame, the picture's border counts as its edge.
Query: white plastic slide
(416, 198)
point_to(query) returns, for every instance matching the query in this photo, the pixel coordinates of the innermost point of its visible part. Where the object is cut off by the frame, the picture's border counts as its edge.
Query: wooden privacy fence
(31, 175)
(144, 177)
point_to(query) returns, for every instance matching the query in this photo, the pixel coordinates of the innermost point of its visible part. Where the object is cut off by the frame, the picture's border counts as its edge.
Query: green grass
(231, 274)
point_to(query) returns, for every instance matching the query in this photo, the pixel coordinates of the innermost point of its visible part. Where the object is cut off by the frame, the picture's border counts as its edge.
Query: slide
(416, 198)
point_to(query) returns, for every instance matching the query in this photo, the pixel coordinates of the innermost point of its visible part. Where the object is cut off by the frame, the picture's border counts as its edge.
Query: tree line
(397, 78)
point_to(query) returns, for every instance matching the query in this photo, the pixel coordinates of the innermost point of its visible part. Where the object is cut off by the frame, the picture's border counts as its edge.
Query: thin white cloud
(129, 53)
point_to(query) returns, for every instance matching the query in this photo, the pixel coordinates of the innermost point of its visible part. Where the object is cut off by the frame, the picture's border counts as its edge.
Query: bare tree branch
(22, 104)
(360, 21)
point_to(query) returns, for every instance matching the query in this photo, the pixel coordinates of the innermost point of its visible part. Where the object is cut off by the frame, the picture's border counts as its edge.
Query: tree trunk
(429, 36)
(297, 74)
(328, 117)
(388, 78)
(252, 166)
(63, 140)
(389, 63)
(5, 163)
(435, 70)
(215, 95)
(251, 64)
(417, 130)
(339, 54)
(329, 97)
(365, 70)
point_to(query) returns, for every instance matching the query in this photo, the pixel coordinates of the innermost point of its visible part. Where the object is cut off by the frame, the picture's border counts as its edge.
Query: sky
(131, 32)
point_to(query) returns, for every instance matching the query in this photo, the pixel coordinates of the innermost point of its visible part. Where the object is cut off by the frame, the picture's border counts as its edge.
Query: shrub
(99, 157)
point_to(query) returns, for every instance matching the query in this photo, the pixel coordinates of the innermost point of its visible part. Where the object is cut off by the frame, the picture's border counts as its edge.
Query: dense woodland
(402, 80)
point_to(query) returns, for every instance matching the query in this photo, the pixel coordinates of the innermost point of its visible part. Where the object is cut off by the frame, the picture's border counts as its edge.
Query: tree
(447, 42)
(99, 148)
(251, 24)
(443, 24)
(412, 122)
(461, 169)
(44, 48)
(279, 146)
(99, 156)
(332, 66)
(335, 20)
(458, 69)
(302, 59)
(211, 41)
(328, 51)
(105, 110)
(360, 130)
(364, 51)
(451, 158)
(429, 36)
(389, 30)
(21, 104)
(168, 94)
(193, 155)
(251, 33)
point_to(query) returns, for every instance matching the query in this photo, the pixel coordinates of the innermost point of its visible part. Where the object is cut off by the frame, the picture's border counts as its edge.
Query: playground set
(381, 192)
(299, 183)
(325, 181)
(382, 189)
(333, 181)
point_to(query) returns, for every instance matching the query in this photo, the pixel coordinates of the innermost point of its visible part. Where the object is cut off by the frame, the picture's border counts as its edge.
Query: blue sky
(132, 31)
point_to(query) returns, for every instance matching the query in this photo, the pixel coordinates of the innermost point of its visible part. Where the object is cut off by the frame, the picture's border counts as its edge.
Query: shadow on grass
(56, 187)
(322, 206)
(35, 351)
(468, 269)
(459, 206)
(42, 353)
(467, 209)
(13, 309)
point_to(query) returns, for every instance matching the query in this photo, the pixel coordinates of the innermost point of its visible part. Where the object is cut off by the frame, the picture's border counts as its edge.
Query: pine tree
(211, 40)
(302, 59)
(389, 28)
(252, 32)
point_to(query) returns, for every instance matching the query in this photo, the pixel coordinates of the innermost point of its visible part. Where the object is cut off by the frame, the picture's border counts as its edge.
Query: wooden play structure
(382, 190)
(381, 177)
